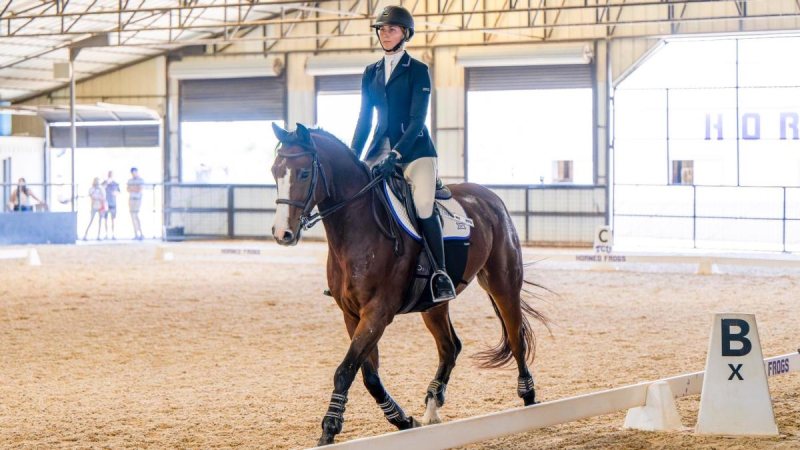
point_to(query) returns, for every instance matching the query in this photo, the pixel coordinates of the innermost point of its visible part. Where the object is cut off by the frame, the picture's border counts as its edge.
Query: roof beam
(88, 8)
(341, 29)
(22, 25)
(613, 28)
(549, 34)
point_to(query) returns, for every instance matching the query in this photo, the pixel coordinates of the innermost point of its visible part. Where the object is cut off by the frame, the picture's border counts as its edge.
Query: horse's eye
(303, 174)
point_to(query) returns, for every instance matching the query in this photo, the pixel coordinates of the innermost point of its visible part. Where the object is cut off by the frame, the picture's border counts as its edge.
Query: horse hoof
(325, 440)
(431, 416)
(430, 421)
(530, 399)
(408, 423)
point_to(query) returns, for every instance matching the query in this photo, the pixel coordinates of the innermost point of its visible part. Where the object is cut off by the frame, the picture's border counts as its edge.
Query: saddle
(456, 228)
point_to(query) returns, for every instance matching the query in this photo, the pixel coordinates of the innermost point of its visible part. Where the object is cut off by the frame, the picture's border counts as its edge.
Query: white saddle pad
(456, 223)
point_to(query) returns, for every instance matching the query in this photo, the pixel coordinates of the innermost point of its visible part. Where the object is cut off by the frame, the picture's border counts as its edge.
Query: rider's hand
(387, 166)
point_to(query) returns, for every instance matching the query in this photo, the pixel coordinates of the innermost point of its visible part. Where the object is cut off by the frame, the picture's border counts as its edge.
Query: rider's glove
(387, 167)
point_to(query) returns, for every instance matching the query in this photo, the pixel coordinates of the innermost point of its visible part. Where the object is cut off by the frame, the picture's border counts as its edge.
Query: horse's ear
(280, 133)
(303, 134)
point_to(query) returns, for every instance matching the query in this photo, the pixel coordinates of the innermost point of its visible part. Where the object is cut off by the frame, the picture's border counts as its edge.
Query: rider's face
(391, 35)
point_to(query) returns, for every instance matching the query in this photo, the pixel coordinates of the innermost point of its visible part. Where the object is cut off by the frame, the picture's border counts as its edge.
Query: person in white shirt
(97, 195)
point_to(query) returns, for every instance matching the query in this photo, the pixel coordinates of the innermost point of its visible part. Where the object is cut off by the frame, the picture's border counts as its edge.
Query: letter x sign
(735, 371)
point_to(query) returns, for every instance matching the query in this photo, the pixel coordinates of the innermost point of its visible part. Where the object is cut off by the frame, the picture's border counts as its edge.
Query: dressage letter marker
(728, 337)
(735, 398)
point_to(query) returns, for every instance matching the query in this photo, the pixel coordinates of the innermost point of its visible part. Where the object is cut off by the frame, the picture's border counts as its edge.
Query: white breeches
(420, 175)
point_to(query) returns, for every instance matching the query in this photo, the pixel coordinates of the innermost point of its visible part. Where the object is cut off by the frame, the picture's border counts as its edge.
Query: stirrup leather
(442, 293)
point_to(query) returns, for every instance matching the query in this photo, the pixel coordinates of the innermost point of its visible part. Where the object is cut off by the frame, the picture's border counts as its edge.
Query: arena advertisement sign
(755, 125)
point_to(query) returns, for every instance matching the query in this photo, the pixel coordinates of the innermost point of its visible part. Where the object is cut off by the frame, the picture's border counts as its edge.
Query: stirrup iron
(442, 288)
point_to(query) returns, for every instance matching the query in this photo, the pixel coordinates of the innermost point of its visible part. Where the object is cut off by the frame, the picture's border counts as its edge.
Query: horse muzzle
(286, 237)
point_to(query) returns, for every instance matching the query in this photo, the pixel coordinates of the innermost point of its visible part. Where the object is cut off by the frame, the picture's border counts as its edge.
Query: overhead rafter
(235, 16)
(39, 28)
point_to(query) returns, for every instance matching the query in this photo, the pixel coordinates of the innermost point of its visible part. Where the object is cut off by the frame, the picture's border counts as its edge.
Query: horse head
(301, 180)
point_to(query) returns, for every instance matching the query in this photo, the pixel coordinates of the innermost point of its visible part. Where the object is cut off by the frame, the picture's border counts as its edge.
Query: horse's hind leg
(504, 285)
(449, 346)
(391, 410)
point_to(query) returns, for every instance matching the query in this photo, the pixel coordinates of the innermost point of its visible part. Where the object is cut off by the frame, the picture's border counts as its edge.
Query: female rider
(399, 87)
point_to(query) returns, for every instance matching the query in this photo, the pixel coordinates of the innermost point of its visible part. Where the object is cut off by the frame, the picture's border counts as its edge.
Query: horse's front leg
(364, 339)
(391, 410)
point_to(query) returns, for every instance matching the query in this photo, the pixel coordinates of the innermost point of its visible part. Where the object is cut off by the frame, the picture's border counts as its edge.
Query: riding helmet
(396, 15)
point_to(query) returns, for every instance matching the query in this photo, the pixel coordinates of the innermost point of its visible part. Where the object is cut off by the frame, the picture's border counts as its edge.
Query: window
(684, 103)
(682, 172)
(91, 162)
(226, 132)
(338, 102)
(521, 121)
(721, 116)
(238, 152)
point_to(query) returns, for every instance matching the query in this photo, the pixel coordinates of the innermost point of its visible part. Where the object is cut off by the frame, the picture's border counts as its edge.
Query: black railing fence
(708, 217)
(547, 215)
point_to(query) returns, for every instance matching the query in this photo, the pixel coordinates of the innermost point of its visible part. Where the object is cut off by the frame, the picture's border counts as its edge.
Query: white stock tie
(389, 68)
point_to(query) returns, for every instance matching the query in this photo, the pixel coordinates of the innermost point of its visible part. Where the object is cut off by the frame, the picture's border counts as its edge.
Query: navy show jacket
(402, 105)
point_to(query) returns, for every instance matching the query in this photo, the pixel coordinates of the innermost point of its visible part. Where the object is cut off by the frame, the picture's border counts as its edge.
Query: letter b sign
(729, 336)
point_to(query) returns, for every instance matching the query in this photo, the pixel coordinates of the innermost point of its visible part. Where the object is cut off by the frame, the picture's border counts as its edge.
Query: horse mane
(327, 134)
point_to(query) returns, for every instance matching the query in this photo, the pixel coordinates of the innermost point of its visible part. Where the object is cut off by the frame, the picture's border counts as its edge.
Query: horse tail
(513, 300)
(500, 355)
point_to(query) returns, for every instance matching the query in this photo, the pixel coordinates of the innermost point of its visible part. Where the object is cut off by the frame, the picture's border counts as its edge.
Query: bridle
(308, 220)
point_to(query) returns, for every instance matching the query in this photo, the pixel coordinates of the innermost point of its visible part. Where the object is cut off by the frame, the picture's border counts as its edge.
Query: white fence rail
(518, 420)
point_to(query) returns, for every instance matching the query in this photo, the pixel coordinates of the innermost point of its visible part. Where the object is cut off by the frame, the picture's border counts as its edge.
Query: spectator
(20, 199)
(135, 185)
(98, 197)
(112, 190)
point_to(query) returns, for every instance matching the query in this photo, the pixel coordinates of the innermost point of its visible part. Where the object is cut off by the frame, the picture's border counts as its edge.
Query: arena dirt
(104, 346)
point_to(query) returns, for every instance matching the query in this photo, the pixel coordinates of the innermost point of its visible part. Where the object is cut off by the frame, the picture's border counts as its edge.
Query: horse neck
(353, 223)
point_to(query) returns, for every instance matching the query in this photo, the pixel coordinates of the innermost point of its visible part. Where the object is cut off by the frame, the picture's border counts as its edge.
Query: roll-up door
(339, 83)
(233, 99)
(108, 136)
(529, 77)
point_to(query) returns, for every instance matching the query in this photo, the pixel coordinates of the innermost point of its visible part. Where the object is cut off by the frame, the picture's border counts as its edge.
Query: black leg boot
(441, 284)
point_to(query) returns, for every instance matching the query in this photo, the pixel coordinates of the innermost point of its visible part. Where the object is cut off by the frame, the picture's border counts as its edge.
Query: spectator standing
(97, 195)
(20, 199)
(135, 185)
(112, 190)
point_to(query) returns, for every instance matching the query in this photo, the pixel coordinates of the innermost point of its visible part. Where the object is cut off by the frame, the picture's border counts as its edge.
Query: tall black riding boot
(441, 285)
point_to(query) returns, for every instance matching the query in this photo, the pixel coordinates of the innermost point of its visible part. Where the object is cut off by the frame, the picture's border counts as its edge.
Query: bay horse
(367, 279)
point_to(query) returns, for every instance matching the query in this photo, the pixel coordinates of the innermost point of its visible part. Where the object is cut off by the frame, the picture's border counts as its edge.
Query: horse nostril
(273, 230)
(287, 236)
